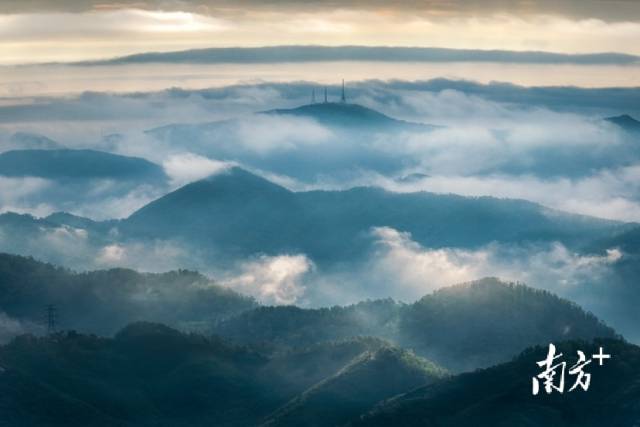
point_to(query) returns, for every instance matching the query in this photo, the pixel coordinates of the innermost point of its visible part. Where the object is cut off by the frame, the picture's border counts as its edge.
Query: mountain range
(236, 213)
(104, 301)
(462, 327)
(239, 213)
(152, 375)
(219, 223)
(294, 53)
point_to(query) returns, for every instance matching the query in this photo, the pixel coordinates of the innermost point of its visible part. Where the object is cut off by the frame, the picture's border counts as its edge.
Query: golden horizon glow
(100, 34)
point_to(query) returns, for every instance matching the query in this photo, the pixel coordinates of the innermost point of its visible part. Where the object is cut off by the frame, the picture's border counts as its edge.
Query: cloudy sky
(70, 30)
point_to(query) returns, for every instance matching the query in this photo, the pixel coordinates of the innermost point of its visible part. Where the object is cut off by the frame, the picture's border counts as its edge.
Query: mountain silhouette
(625, 122)
(77, 164)
(236, 212)
(151, 375)
(347, 115)
(368, 379)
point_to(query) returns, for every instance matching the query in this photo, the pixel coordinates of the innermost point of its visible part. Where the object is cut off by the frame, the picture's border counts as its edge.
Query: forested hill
(461, 327)
(152, 375)
(103, 301)
(502, 395)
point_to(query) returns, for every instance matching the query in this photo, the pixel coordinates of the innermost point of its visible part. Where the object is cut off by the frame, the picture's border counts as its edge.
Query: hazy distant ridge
(276, 54)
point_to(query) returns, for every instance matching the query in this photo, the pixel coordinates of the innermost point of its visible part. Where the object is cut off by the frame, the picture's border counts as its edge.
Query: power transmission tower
(52, 317)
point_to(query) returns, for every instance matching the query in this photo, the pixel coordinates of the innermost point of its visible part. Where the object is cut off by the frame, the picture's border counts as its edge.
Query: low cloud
(501, 140)
(16, 195)
(155, 256)
(612, 194)
(81, 249)
(274, 280)
(97, 199)
(414, 271)
(188, 167)
(263, 134)
(400, 268)
(10, 328)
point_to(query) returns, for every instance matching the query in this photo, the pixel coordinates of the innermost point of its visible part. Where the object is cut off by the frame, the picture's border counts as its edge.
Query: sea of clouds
(546, 145)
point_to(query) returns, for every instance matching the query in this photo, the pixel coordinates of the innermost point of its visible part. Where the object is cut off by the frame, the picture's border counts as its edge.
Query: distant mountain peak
(237, 178)
(235, 182)
(346, 115)
(626, 122)
(228, 191)
(77, 163)
(27, 140)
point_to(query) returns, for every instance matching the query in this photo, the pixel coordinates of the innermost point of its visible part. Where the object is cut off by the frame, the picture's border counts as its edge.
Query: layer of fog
(35, 81)
(396, 267)
(611, 193)
(404, 270)
(401, 268)
(112, 110)
(99, 199)
(542, 144)
(10, 328)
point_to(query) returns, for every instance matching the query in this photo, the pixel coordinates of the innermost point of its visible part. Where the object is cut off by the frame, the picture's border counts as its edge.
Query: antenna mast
(343, 98)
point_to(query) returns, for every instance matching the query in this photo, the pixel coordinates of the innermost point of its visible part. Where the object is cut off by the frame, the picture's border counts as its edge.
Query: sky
(73, 30)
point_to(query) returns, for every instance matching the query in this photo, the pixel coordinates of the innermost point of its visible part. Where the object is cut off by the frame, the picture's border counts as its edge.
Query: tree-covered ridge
(151, 375)
(104, 300)
(461, 327)
(279, 366)
(141, 376)
(291, 326)
(499, 318)
(502, 395)
(370, 377)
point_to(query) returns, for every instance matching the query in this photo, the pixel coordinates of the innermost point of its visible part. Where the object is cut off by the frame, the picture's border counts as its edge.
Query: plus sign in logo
(601, 356)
